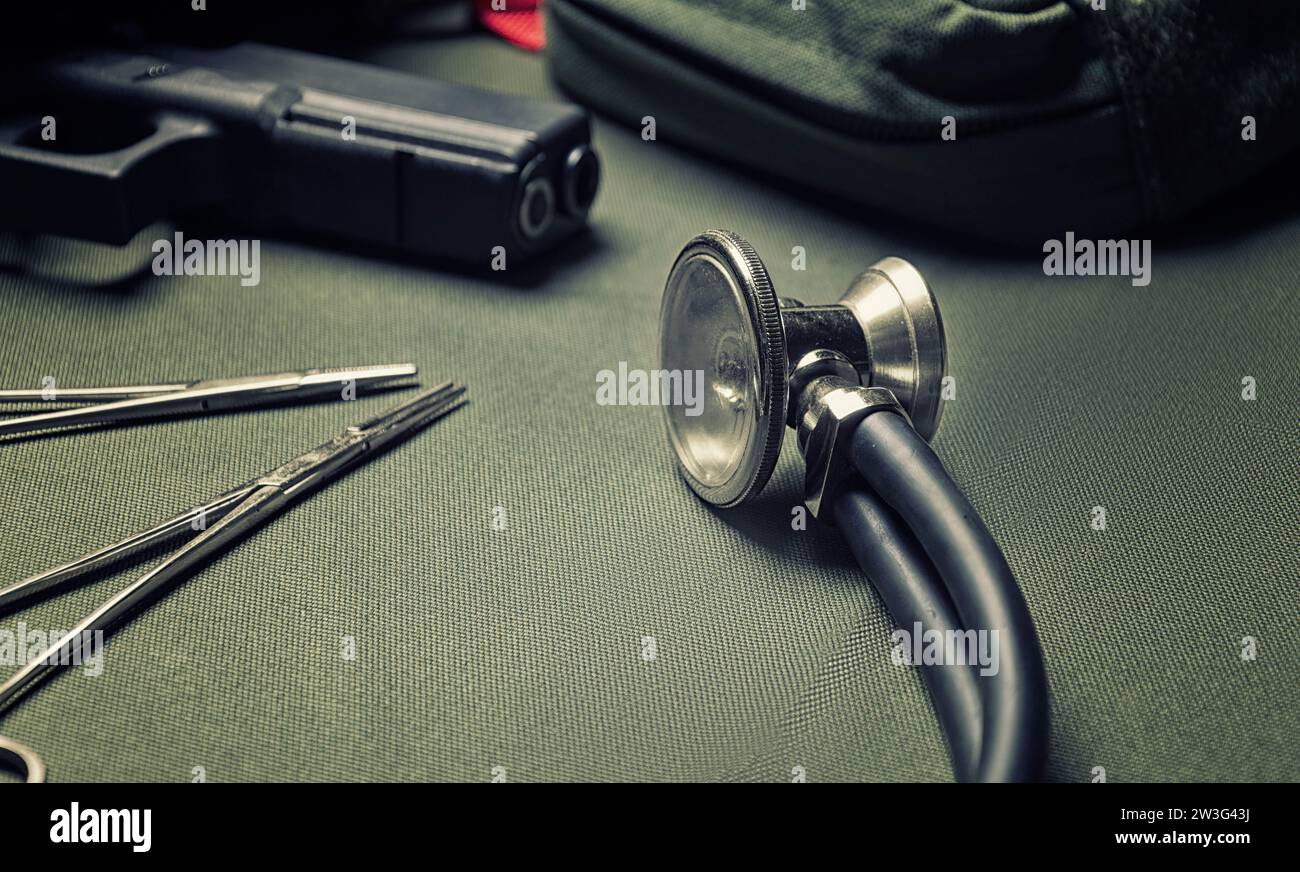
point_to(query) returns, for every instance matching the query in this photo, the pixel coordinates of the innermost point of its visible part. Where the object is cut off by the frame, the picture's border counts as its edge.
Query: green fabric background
(521, 648)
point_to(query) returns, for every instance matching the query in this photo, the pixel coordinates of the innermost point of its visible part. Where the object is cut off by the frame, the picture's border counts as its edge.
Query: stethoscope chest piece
(769, 362)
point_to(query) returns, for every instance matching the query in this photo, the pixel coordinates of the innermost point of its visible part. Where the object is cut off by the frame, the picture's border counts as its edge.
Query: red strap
(519, 21)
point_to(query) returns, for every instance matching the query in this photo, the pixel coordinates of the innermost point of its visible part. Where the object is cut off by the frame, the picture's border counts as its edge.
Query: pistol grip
(109, 196)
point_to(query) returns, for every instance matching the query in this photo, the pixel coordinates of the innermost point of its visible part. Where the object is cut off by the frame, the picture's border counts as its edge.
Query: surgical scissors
(215, 525)
(134, 402)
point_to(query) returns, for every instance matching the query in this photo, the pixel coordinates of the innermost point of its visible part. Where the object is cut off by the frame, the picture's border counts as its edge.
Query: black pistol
(108, 142)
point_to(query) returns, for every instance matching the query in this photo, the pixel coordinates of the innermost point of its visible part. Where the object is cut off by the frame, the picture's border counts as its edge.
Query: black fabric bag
(1012, 120)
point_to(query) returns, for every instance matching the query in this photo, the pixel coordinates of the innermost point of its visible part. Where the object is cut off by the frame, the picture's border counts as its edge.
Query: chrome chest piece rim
(720, 317)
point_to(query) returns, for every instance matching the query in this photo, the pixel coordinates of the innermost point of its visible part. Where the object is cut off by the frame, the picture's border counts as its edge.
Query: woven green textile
(522, 647)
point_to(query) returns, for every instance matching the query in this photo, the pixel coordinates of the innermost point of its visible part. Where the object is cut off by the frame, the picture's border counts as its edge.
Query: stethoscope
(859, 381)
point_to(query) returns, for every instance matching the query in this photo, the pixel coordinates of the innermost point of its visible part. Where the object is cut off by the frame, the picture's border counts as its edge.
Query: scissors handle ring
(21, 759)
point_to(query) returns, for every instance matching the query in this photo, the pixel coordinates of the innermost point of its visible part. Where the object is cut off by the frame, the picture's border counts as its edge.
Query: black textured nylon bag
(1011, 120)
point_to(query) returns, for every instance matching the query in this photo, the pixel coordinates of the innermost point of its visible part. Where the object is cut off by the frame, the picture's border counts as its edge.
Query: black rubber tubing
(905, 472)
(913, 592)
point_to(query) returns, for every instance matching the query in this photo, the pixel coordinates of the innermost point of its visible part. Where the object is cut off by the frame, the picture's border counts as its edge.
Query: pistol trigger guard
(110, 196)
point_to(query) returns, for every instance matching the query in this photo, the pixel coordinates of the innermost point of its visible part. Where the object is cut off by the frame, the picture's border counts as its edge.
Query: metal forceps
(136, 402)
(214, 526)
